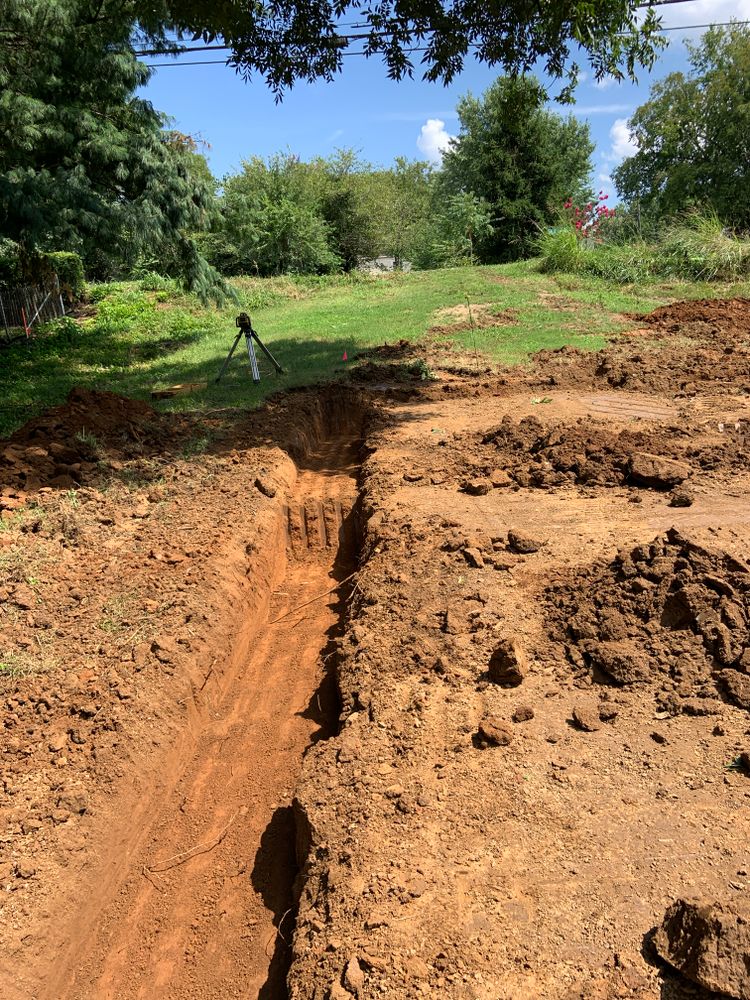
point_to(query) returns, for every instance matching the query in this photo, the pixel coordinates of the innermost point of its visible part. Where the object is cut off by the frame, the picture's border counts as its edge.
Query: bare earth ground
(213, 788)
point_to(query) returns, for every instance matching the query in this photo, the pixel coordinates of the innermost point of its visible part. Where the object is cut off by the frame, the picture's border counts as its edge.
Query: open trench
(206, 906)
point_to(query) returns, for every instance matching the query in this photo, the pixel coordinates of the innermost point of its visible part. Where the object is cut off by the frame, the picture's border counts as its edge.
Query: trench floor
(205, 908)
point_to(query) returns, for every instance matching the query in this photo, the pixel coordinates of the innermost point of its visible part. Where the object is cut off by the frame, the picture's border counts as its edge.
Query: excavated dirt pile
(703, 318)
(673, 614)
(590, 452)
(62, 447)
(703, 346)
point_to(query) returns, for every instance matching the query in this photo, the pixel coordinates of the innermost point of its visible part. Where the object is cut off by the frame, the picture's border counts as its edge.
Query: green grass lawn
(140, 338)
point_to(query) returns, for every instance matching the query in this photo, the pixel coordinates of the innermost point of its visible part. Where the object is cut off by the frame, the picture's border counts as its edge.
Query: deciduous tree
(693, 135)
(290, 40)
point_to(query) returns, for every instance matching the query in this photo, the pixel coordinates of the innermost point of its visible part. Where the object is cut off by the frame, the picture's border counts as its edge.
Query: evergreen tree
(521, 159)
(85, 164)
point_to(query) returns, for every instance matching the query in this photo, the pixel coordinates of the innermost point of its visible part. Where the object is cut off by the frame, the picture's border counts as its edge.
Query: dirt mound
(673, 614)
(63, 446)
(588, 451)
(592, 452)
(402, 372)
(386, 352)
(715, 316)
(692, 347)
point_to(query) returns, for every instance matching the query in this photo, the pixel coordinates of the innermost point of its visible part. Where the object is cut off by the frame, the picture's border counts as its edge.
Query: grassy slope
(140, 339)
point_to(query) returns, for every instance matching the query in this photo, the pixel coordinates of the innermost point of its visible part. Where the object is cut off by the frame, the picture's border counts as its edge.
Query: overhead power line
(386, 32)
(227, 48)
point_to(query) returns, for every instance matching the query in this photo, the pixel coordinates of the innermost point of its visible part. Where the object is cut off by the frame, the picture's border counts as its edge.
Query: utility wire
(223, 62)
(385, 32)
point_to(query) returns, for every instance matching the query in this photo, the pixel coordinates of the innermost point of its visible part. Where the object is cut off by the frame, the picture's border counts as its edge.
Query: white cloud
(604, 179)
(433, 140)
(623, 143)
(600, 109)
(605, 83)
(703, 12)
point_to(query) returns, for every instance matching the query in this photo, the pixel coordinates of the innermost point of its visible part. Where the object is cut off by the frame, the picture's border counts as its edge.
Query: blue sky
(363, 110)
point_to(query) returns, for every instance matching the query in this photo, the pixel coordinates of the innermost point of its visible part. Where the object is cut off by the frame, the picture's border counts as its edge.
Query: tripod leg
(267, 353)
(253, 358)
(229, 357)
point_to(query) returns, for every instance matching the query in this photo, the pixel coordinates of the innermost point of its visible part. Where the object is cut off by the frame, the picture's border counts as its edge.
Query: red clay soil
(684, 349)
(672, 614)
(135, 643)
(701, 317)
(62, 447)
(463, 713)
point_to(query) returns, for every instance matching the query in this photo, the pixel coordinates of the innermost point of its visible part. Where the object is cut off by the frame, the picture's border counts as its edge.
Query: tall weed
(560, 250)
(697, 247)
(701, 248)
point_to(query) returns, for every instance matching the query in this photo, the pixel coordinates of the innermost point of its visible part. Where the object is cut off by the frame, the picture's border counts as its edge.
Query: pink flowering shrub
(587, 220)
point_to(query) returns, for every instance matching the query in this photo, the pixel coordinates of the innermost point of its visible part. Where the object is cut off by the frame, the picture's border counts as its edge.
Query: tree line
(512, 162)
(89, 166)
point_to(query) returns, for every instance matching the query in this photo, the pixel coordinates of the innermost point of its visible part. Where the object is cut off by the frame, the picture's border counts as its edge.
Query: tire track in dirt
(218, 924)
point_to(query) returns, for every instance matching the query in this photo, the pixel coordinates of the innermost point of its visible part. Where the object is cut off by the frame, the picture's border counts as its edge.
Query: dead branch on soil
(277, 933)
(313, 599)
(210, 672)
(183, 856)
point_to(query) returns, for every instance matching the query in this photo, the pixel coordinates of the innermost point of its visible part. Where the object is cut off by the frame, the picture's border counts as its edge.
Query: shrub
(10, 267)
(64, 328)
(151, 281)
(68, 267)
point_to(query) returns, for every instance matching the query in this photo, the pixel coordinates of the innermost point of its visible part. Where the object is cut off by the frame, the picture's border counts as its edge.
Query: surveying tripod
(245, 327)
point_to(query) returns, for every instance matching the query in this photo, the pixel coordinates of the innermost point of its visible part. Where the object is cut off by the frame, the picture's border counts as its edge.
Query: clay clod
(265, 486)
(478, 487)
(709, 944)
(494, 732)
(524, 544)
(474, 557)
(508, 664)
(623, 662)
(586, 718)
(354, 977)
(524, 713)
(500, 479)
(656, 471)
(681, 496)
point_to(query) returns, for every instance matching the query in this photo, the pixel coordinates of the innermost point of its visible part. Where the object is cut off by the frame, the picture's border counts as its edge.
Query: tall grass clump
(696, 247)
(700, 248)
(560, 249)
(623, 263)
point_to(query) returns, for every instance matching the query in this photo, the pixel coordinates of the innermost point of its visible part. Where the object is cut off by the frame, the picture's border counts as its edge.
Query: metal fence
(25, 306)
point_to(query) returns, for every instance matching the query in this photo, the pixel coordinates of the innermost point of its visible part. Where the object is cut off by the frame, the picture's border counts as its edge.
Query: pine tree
(86, 164)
